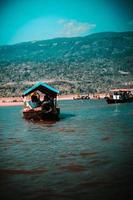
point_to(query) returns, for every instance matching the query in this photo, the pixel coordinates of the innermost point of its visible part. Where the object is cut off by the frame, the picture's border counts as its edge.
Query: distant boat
(83, 97)
(35, 109)
(120, 96)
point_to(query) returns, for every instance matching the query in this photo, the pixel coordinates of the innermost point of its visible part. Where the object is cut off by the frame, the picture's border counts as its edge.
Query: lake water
(87, 154)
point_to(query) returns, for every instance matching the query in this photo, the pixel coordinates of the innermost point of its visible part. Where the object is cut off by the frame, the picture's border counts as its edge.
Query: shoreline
(17, 101)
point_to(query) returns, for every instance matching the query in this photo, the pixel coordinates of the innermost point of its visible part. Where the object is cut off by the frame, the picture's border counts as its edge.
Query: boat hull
(41, 115)
(113, 101)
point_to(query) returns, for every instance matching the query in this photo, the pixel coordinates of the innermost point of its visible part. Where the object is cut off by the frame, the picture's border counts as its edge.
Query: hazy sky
(27, 20)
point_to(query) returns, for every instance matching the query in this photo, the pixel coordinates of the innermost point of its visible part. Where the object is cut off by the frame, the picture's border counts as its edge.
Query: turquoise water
(87, 154)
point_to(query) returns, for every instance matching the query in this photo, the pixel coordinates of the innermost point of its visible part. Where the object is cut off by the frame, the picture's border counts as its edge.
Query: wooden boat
(120, 96)
(41, 110)
(81, 97)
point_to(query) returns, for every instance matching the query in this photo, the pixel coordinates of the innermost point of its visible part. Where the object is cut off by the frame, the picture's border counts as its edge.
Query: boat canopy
(42, 87)
(122, 90)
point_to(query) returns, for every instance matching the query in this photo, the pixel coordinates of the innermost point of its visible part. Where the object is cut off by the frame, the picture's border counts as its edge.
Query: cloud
(73, 28)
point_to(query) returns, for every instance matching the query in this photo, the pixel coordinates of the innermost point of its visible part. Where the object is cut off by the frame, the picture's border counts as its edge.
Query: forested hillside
(94, 63)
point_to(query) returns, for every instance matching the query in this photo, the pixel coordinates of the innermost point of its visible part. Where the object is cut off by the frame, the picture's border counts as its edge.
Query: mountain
(94, 63)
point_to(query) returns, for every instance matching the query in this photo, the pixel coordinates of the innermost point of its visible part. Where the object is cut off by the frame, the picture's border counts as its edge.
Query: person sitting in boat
(130, 94)
(35, 100)
(116, 96)
(47, 103)
(27, 105)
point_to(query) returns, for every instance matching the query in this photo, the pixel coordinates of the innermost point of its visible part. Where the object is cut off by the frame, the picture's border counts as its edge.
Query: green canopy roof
(42, 87)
